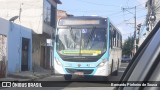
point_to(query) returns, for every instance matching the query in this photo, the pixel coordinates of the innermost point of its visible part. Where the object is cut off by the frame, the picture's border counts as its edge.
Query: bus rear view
(82, 47)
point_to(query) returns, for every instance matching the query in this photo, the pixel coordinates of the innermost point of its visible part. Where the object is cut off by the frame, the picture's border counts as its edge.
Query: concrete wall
(38, 41)
(4, 26)
(14, 34)
(31, 15)
(46, 28)
(60, 14)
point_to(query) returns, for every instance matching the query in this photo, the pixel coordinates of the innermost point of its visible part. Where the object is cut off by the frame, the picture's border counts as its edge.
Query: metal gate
(3, 55)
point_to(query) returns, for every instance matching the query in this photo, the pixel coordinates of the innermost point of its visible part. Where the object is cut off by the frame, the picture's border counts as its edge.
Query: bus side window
(114, 36)
(117, 39)
(114, 33)
(121, 41)
(111, 41)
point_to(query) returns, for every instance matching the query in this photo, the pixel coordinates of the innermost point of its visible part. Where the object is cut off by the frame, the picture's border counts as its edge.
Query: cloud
(125, 30)
(122, 29)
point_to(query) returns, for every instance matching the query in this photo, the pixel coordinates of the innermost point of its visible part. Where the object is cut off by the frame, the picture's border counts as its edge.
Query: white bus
(87, 45)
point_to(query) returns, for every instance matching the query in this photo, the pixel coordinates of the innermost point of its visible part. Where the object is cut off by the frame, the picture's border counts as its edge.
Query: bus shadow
(89, 78)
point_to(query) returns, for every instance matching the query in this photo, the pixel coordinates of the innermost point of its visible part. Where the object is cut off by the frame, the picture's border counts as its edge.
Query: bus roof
(88, 20)
(82, 21)
(83, 17)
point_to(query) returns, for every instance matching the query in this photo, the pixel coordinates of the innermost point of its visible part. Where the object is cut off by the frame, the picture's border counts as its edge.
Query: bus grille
(87, 71)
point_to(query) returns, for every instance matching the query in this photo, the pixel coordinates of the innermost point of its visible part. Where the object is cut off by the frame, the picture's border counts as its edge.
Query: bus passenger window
(111, 41)
(115, 38)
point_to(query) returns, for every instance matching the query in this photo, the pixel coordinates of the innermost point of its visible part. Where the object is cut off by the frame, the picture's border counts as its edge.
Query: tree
(128, 46)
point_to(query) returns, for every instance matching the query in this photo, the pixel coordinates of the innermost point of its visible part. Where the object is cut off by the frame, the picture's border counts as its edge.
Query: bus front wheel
(67, 77)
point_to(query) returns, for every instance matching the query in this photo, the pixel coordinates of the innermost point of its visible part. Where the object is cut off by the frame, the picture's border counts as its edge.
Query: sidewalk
(27, 76)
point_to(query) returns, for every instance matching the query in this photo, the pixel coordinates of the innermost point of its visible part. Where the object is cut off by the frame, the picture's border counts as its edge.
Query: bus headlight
(58, 62)
(102, 63)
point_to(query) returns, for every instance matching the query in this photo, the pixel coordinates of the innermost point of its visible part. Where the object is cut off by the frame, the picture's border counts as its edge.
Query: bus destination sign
(79, 22)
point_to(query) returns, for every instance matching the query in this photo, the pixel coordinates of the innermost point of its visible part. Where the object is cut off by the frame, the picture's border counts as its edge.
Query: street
(79, 44)
(76, 78)
(78, 83)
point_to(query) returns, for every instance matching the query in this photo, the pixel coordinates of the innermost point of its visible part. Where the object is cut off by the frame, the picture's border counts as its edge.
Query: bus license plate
(79, 73)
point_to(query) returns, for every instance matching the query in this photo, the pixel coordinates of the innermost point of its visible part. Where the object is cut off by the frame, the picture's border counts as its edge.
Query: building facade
(62, 13)
(17, 47)
(38, 15)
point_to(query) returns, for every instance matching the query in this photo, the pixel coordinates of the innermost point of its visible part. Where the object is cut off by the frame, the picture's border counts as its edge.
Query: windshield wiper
(66, 41)
(80, 44)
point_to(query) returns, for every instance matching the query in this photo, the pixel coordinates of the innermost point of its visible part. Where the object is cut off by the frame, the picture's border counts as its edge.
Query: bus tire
(112, 68)
(115, 73)
(105, 78)
(87, 77)
(117, 68)
(67, 77)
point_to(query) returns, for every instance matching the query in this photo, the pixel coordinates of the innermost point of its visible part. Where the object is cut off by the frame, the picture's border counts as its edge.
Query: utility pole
(135, 33)
(126, 9)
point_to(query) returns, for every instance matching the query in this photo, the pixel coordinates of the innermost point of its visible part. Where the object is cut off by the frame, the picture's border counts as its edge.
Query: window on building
(53, 16)
(49, 14)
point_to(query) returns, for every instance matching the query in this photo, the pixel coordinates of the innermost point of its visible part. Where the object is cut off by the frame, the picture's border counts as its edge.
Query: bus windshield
(81, 42)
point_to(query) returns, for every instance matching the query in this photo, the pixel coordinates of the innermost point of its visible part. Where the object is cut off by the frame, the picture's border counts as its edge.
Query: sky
(122, 19)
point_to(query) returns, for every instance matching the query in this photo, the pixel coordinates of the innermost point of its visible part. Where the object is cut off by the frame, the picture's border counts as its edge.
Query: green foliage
(128, 46)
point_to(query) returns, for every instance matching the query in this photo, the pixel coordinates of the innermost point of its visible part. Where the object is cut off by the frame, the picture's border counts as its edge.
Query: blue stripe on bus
(108, 40)
(83, 64)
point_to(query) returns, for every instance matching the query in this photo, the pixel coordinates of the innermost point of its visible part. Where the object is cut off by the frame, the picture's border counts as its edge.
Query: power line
(127, 3)
(129, 20)
(132, 17)
(110, 14)
(140, 4)
(125, 14)
(116, 13)
(91, 11)
(98, 3)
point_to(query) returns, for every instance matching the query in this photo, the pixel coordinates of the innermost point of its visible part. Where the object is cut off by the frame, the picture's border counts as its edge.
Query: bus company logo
(79, 65)
(6, 84)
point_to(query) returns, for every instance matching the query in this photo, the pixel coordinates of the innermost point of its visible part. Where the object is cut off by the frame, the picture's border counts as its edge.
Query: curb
(34, 77)
(39, 77)
(20, 76)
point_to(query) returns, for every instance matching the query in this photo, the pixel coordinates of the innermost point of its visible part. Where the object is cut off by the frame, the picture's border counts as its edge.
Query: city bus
(86, 46)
